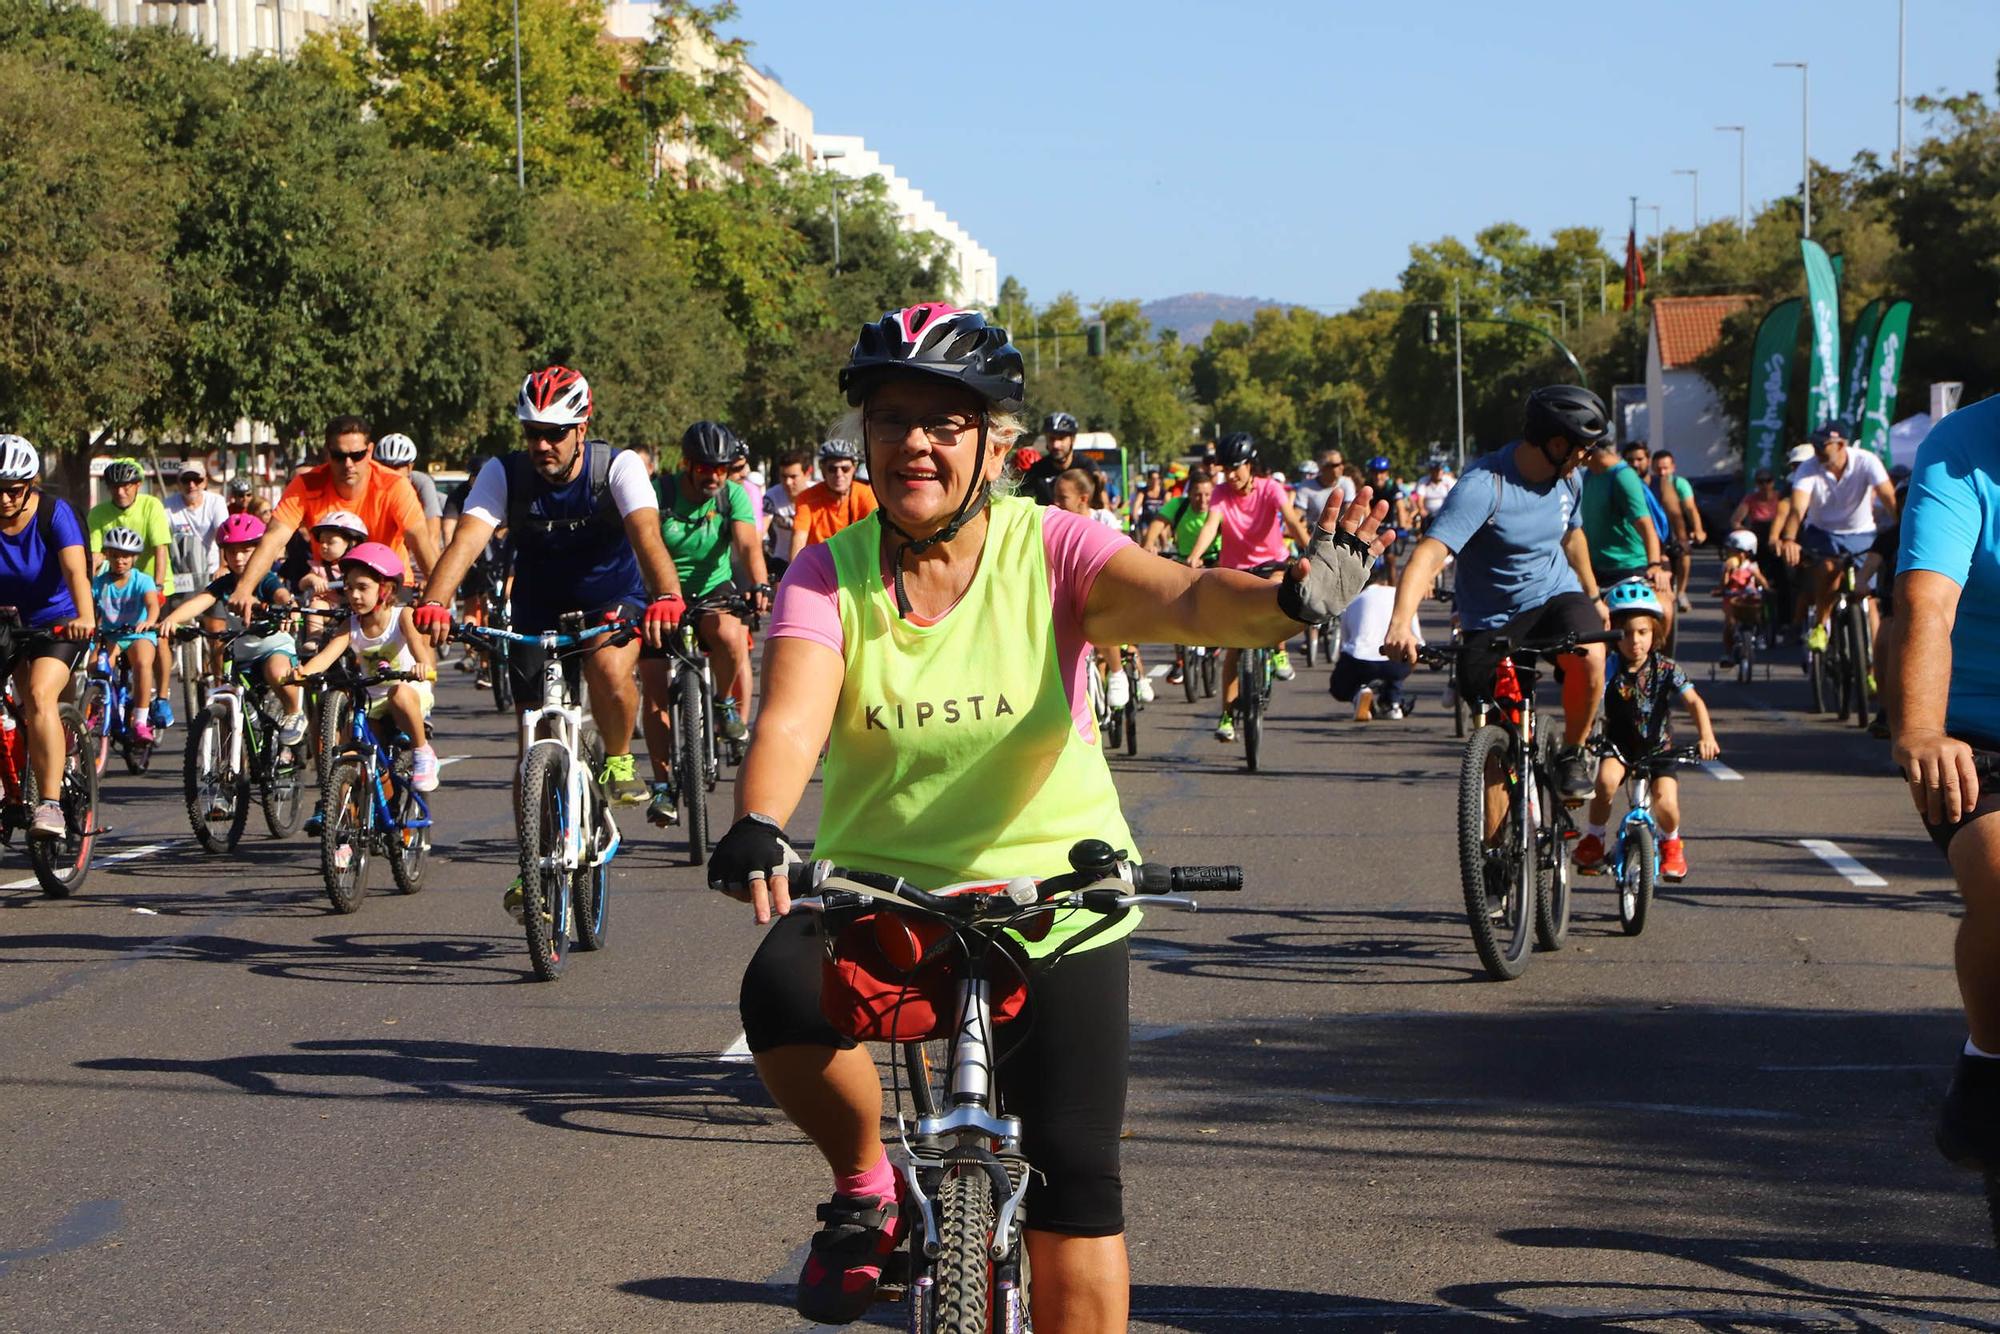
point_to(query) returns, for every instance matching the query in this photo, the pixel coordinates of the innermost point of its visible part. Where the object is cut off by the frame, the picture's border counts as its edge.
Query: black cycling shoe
(1575, 774)
(858, 1234)
(1968, 1129)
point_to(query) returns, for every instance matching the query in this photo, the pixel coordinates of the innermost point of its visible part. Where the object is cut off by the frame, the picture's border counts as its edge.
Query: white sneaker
(1145, 691)
(1117, 691)
(292, 730)
(424, 769)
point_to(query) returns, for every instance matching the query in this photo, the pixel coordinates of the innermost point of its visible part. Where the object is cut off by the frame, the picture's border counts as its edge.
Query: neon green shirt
(147, 518)
(1187, 521)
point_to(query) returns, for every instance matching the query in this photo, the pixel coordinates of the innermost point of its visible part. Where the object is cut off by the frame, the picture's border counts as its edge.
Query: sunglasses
(548, 435)
(16, 490)
(343, 456)
(193, 479)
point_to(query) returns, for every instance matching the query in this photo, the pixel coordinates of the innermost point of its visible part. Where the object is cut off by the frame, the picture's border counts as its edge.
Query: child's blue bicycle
(371, 800)
(1634, 854)
(106, 701)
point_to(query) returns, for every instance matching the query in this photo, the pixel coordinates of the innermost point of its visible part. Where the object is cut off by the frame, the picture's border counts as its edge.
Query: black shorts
(1617, 574)
(1062, 1065)
(1350, 674)
(1563, 614)
(18, 644)
(524, 661)
(1989, 801)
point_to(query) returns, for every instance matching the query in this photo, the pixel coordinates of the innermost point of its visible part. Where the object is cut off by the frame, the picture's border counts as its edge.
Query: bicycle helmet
(557, 396)
(941, 341)
(340, 521)
(711, 443)
(378, 560)
(837, 448)
(1634, 597)
(1743, 540)
(1236, 448)
(240, 530)
(240, 486)
(1058, 423)
(19, 460)
(1380, 463)
(1566, 410)
(123, 541)
(122, 472)
(396, 450)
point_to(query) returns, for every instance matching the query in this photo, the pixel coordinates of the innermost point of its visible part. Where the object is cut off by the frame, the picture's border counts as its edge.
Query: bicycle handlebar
(557, 639)
(840, 887)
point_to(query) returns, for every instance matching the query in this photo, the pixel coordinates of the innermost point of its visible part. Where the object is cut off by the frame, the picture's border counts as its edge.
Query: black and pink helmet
(941, 341)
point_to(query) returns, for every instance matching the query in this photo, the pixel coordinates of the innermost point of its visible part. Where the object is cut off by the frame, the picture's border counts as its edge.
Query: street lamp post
(1603, 274)
(520, 126)
(1805, 139)
(1694, 174)
(652, 135)
(1902, 42)
(1742, 176)
(828, 155)
(1458, 370)
(1659, 238)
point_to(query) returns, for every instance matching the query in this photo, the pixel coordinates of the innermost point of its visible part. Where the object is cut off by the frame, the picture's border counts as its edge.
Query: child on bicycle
(318, 584)
(270, 657)
(126, 595)
(1742, 587)
(380, 634)
(1074, 490)
(1641, 687)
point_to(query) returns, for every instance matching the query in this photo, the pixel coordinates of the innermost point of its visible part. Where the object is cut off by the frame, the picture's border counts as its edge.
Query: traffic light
(1431, 326)
(1093, 338)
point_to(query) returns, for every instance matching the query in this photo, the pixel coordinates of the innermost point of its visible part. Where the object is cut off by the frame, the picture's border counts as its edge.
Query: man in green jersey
(1182, 520)
(129, 507)
(1624, 543)
(704, 519)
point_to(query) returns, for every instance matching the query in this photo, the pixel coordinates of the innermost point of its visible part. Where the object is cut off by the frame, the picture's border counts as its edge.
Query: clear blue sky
(1296, 150)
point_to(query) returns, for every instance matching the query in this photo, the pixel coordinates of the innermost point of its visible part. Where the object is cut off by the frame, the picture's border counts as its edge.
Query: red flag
(1635, 268)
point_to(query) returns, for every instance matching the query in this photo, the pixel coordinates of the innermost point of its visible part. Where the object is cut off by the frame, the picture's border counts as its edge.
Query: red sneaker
(1590, 855)
(1673, 861)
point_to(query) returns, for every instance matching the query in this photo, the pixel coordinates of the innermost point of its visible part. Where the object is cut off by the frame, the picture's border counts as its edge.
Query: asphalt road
(226, 1108)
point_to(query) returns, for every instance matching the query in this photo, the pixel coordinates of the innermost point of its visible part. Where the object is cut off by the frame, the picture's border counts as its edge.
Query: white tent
(1905, 436)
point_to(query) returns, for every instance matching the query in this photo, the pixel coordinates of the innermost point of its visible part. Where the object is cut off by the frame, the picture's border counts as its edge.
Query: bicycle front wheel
(1250, 707)
(1497, 882)
(344, 836)
(1209, 684)
(1856, 630)
(62, 863)
(218, 804)
(1816, 679)
(689, 719)
(280, 787)
(1131, 708)
(545, 898)
(1635, 878)
(409, 846)
(1552, 869)
(96, 710)
(1190, 677)
(964, 1266)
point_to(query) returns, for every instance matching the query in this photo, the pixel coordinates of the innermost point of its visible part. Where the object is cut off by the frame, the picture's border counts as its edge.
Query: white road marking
(451, 759)
(1671, 1108)
(1717, 769)
(737, 1052)
(1161, 670)
(1833, 856)
(1840, 1069)
(130, 854)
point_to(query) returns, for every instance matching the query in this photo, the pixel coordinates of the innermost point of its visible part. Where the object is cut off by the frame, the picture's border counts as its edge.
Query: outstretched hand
(1359, 518)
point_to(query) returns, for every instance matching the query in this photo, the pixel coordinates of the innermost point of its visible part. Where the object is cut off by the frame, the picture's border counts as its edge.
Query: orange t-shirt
(820, 513)
(388, 504)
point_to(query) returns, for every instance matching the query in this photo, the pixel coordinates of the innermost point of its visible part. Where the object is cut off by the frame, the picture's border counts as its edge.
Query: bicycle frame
(377, 758)
(564, 718)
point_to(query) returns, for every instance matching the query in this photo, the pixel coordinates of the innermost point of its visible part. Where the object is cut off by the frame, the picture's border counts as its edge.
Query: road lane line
(130, 854)
(1832, 855)
(1161, 670)
(1503, 1104)
(737, 1052)
(451, 759)
(1717, 769)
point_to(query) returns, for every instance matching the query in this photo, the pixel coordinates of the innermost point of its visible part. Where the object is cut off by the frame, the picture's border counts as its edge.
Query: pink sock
(878, 1182)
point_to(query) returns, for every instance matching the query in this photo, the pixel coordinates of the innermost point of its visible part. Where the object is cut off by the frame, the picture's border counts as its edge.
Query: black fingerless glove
(754, 846)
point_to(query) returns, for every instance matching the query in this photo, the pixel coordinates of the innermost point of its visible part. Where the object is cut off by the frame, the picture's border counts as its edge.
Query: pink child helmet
(378, 560)
(240, 530)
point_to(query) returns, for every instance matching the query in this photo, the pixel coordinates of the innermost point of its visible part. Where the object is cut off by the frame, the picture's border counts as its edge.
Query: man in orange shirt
(823, 510)
(349, 480)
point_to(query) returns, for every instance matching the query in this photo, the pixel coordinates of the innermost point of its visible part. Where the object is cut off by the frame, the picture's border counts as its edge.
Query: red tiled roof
(1688, 326)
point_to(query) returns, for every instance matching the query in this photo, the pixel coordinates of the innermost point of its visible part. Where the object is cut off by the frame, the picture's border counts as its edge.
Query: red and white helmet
(557, 396)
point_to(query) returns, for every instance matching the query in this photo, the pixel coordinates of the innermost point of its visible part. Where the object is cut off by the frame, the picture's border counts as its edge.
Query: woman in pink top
(1255, 518)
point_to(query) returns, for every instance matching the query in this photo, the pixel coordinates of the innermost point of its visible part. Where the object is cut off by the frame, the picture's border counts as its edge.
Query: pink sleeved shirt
(1253, 526)
(808, 600)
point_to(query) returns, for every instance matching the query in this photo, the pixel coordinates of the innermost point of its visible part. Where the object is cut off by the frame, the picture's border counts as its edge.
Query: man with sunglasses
(1514, 522)
(583, 526)
(839, 500)
(351, 481)
(194, 516)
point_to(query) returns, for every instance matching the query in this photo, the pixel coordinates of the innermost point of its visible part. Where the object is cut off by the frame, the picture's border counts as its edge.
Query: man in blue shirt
(1523, 562)
(1944, 704)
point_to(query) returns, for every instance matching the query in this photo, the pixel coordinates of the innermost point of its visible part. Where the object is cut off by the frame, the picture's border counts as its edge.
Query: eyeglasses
(842, 466)
(344, 456)
(548, 435)
(942, 429)
(709, 469)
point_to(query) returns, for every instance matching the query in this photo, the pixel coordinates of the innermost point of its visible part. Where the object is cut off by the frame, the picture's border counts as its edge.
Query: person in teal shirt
(1624, 543)
(704, 519)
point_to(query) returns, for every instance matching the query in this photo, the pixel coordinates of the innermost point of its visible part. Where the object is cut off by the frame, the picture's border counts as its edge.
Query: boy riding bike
(126, 595)
(1641, 687)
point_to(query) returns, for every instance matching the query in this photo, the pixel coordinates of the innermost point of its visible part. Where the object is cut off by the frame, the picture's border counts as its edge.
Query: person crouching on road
(383, 637)
(1363, 675)
(1641, 686)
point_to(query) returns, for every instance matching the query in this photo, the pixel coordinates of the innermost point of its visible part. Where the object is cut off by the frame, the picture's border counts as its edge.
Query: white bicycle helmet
(340, 521)
(123, 541)
(395, 449)
(555, 396)
(19, 460)
(1743, 540)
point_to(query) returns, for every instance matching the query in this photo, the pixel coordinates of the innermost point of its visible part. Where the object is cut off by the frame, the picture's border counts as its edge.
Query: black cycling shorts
(1563, 614)
(1989, 800)
(1062, 1066)
(524, 661)
(19, 644)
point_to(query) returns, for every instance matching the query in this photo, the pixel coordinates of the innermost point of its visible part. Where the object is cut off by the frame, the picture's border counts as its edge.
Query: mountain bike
(1634, 855)
(370, 799)
(568, 836)
(60, 864)
(1119, 726)
(1254, 679)
(1840, 671)
(1198, 670)
(1517, 888)
(232, 745)
(106, 703)
(699, 750)
(965, 1269)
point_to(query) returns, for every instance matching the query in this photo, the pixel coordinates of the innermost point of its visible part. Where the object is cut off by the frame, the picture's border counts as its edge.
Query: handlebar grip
(1207, 879)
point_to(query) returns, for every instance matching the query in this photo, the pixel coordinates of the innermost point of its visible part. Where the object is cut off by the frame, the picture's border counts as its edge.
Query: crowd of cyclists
(975, 527)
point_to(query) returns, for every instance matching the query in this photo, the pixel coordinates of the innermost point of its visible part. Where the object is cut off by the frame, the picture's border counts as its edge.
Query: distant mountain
(1193, 314)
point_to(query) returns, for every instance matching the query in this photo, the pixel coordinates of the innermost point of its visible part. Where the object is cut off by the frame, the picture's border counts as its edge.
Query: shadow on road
(352, 956)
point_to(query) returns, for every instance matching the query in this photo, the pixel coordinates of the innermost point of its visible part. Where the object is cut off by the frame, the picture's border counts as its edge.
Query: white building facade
(234, 29)
(974, 270)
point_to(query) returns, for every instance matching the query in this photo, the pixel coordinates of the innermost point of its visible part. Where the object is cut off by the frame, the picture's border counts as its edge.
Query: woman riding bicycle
(938, 655)
(45, 585)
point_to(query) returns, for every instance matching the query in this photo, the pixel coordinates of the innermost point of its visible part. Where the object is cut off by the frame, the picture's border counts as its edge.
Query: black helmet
(1566, 410)
(711, 443)
(937, 340)
(122, 472)
(1058, 423)
(1237, 447)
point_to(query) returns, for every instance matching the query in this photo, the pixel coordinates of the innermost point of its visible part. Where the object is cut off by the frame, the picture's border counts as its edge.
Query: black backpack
(524, 486)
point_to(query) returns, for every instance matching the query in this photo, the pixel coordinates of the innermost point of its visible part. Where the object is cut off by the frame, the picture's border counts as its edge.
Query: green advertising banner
(1860, 360)
(1879, 413)
(1770, 387)
(1823, 295)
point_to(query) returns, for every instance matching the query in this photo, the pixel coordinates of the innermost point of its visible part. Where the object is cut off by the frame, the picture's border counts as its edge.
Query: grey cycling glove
(1337, 568)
